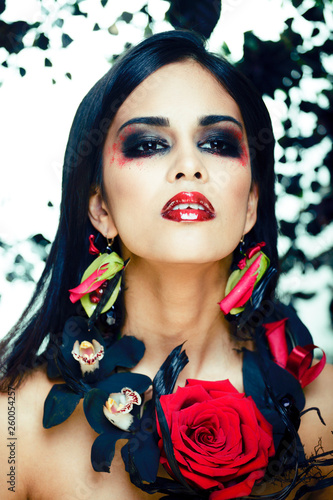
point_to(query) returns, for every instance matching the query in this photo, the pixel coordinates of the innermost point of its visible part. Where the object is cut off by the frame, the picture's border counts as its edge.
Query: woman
(171, 156)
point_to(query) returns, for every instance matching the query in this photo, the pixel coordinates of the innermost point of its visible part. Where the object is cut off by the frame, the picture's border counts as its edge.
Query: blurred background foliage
(293, 71)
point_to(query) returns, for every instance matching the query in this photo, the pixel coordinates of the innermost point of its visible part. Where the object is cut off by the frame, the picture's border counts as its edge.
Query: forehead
(181, 89)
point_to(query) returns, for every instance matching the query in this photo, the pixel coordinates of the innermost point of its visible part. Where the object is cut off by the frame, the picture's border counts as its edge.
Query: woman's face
(177, 177)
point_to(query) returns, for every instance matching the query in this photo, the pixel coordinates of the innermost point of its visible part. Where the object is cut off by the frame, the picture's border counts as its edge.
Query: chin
(179, 251)
(190, 257)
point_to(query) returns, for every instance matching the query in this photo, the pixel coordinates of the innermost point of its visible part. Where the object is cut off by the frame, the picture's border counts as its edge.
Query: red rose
(220, 439)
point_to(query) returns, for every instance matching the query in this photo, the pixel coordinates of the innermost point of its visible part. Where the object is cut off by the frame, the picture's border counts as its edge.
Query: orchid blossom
(88, 354)
(118, 407)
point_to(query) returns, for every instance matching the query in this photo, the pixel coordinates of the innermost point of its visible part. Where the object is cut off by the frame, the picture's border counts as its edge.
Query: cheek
(231, 181)
(114, 158)
(128, 192)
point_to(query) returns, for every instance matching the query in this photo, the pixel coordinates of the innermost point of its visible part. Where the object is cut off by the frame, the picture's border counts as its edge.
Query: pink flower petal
(87, 286)
(241, 293)
(276, 338)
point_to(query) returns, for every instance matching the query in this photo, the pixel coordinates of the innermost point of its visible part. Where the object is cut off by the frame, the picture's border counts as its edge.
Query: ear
(252, 205)
(100, 217)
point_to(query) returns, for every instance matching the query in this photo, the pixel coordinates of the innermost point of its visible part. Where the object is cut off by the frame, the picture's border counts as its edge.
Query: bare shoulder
(19, 409)
(55, 463)
(316, 436)
(319, 394)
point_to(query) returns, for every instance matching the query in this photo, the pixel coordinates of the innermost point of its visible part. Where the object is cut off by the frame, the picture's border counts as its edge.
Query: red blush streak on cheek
(244, 159)
(116, 156)
(119, 160)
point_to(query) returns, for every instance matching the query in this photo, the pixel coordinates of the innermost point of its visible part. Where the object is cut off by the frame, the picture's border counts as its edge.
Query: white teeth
(189, 216)
(184, 206)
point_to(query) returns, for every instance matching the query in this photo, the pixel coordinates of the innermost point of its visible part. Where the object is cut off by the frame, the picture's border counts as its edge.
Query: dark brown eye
(136, 146)
(150, 146)
(224, 146)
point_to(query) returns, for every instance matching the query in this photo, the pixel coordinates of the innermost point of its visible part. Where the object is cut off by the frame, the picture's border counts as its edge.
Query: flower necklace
(214, 442)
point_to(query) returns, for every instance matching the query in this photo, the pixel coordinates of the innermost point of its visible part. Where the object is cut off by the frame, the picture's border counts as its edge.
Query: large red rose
(220, 439)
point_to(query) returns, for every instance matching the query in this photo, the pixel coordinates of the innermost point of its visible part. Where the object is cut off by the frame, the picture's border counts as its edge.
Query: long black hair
(50, 307)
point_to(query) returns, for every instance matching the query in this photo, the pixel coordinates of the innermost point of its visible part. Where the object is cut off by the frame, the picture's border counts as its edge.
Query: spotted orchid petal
(88, 354)
(118, 407)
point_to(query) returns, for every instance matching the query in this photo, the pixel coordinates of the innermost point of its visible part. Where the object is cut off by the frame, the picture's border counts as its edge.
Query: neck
(167, 305)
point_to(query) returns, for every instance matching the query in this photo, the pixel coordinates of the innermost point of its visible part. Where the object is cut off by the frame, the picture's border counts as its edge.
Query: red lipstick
(188, 207)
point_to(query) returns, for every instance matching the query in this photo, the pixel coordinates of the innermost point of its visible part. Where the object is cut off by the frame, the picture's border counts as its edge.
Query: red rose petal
(241, 489)
(209, 385)
(220, 438)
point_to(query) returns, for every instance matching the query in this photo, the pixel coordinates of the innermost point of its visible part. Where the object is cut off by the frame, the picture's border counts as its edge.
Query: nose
(188, 165)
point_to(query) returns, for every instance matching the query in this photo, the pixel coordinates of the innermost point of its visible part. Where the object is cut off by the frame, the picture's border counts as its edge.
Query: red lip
(204, 211)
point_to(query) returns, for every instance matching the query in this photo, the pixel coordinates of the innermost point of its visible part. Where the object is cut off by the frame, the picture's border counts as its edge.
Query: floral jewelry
(214, 441)
(221, 442)
(100, 284)
(242, 281)
(87, 363)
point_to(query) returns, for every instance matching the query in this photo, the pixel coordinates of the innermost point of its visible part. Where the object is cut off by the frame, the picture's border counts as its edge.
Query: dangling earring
(109, 243)
(241, 283)
(100, 284)
(242, 244)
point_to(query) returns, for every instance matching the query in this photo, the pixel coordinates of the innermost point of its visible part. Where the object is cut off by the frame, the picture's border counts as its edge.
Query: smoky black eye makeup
(141, 144)
(222, 142)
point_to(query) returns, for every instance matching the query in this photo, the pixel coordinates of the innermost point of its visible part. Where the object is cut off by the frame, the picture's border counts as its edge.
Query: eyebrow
(212, 119)
(159, 121)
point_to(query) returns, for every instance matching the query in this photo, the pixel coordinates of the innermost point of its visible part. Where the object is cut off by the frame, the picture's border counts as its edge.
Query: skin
(176, 276)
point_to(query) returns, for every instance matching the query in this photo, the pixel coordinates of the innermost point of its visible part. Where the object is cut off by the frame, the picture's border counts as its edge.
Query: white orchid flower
(118, 407)
(88, 355)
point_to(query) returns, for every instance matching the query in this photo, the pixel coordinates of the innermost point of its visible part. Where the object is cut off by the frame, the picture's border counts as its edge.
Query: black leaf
(268, 63)
(307, 107)
(11, 35)
(314, 14)
(288, 229)
(327, 46)
(294, 187)
(39, 239)
(166, 377)
(297, 3)
(66, 40)
(76, 10)
(199, 15)
(168, 447)
(126, 16)
(315, 186)
(41, 41)
(58, 22)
